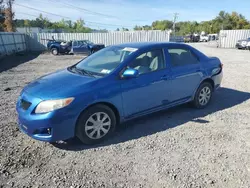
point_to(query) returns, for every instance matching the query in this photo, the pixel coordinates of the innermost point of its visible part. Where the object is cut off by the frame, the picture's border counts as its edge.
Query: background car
(204, 38)
(191, 38)
(116, 84)
(73, 47)
(242, 44)
(85, 47)
(187, 38)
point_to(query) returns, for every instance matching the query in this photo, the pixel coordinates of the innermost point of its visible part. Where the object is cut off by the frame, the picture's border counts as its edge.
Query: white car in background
(248, 45)
(242, 44)
(203, 38)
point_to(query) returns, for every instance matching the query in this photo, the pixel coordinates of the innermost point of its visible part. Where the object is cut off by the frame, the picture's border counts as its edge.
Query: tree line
(224, 20)
(66, 25)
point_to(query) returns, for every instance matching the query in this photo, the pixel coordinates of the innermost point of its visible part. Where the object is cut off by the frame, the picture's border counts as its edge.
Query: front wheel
(96, 124)
(54, 51)
(203, 95)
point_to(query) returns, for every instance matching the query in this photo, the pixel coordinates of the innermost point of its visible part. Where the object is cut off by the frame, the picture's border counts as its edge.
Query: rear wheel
(96, 124)
(203, 95)
(54, 51)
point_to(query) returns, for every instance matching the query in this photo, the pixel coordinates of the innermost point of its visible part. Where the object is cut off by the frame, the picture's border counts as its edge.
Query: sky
(112, 14)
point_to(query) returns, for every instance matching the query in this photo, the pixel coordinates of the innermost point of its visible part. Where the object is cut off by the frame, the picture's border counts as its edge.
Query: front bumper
(48, 127)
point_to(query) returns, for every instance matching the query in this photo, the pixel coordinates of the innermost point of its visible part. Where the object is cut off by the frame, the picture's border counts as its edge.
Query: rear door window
(182, 57)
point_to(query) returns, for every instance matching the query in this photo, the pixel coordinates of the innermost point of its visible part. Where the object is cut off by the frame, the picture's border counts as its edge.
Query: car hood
(58, 84)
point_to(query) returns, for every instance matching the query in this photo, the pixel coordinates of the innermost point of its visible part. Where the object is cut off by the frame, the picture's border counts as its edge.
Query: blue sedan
(118, 83)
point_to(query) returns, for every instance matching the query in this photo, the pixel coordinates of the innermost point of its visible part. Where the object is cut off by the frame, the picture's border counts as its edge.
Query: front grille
(24, 104)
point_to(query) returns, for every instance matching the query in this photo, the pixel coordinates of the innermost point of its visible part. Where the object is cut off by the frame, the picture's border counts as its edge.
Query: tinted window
(75, 43)
(182, 57)
(80, 43)
(149, 61)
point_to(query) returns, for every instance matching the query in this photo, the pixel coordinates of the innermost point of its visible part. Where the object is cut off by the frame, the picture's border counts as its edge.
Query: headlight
(51, 105)
(216, 71)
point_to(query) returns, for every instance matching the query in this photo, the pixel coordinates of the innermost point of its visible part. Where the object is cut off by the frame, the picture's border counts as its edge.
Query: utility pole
(175, 18)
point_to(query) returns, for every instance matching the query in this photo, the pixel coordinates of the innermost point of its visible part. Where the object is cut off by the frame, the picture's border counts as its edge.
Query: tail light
(217, 70)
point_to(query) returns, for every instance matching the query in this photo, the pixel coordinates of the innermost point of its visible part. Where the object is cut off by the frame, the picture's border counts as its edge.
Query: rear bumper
(217, 80)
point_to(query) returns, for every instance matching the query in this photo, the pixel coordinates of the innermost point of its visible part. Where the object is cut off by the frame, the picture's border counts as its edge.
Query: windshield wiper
(87, 72)
(74, 69)
(82, 71)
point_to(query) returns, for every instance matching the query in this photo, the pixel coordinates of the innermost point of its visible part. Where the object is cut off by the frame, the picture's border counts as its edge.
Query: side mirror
(130, 73)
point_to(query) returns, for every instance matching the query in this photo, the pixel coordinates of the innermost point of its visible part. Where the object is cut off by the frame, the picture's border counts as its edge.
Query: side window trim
(195, 55)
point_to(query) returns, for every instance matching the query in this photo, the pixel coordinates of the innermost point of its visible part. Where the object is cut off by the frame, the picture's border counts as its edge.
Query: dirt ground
(180, 147)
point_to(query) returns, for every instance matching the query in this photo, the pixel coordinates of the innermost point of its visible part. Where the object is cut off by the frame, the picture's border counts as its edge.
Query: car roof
(143, 45)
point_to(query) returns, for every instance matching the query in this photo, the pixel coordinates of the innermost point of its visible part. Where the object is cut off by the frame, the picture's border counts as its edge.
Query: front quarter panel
(106, 90)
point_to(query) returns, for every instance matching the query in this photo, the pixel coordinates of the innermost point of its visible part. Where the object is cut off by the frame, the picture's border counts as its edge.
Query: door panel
(186, 72)
(79, 47)
(151, 88)
(185, 80)
(146, 92)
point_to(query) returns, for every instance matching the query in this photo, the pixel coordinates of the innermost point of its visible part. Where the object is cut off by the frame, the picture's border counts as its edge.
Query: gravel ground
(180, 147)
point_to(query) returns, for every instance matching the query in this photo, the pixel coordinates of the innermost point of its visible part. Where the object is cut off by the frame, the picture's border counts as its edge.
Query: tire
(85, 128)
(54, 51)
(92, 51)
(205, 87)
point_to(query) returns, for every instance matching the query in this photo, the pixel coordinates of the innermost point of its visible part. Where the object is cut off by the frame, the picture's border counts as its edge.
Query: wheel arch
(209, 80)
(108, 104)
(54, 46)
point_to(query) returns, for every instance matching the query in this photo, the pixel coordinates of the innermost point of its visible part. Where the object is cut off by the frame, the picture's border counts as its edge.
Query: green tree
(146, 27)
(79, 26)
(162, 25)
(125, 29)
(136, 28)
(26, 23)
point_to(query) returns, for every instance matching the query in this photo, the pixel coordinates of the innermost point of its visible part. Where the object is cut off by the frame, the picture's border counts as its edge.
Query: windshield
(106, 60)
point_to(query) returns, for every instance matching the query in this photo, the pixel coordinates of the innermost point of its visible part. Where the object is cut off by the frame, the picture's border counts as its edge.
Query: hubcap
(205, 95)
(54, 52)
(98, 125)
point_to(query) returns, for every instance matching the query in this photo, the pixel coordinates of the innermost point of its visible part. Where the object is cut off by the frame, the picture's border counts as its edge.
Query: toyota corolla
(118, 83)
